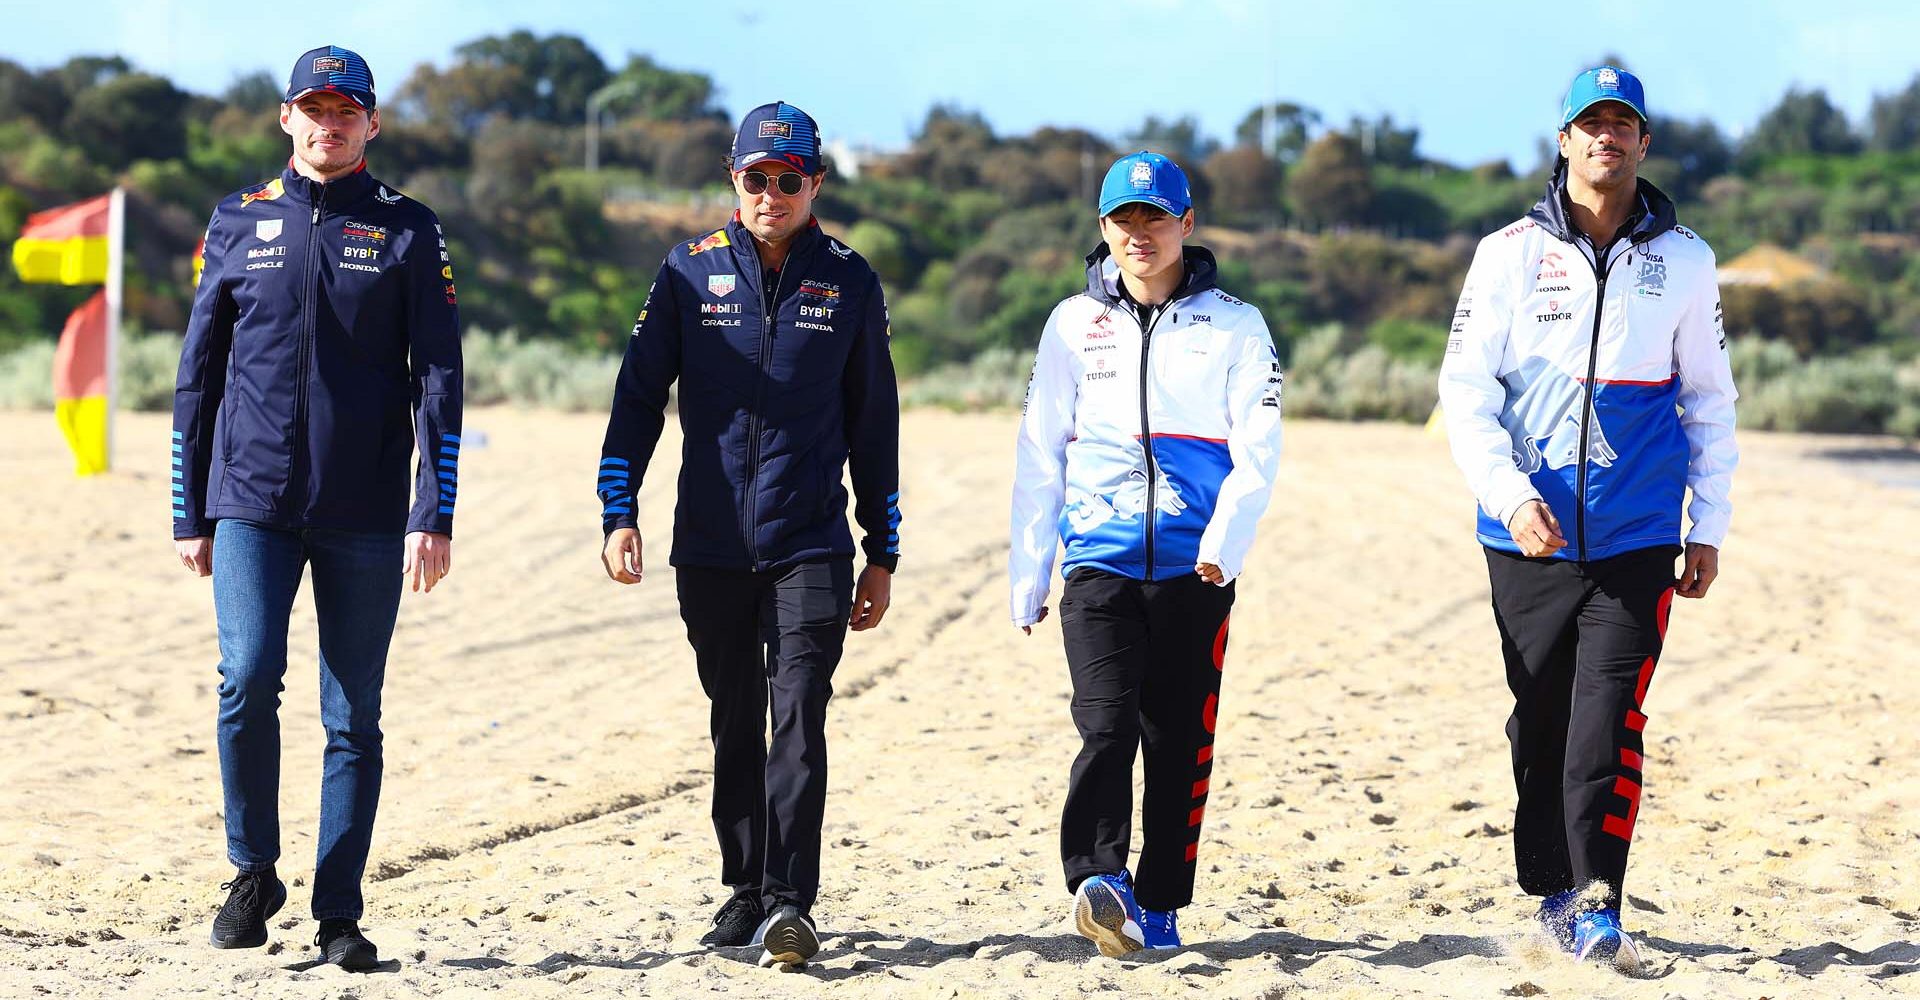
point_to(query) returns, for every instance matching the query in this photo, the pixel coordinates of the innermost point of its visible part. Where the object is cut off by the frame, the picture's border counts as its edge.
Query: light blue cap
(1603, 83)
(1145, 177)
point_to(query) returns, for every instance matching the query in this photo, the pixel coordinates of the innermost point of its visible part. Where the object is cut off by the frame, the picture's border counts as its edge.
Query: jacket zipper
(753, 415)
(1146, 432)
(318, 193)
(1602, 267)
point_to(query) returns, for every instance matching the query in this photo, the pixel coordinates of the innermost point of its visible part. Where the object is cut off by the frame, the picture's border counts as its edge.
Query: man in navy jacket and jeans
(323, 350)
(777, 334)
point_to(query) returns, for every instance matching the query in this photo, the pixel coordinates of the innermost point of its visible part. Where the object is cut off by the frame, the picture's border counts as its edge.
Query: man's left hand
(429, 558)
(1210, 573)
(871, 596)
(1697, 574)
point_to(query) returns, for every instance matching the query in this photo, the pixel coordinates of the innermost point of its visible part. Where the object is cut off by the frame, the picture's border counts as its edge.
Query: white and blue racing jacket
(1594, 380)
(1148, 451)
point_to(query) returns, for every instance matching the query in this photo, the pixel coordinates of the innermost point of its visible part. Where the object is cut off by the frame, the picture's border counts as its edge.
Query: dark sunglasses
(788, 181)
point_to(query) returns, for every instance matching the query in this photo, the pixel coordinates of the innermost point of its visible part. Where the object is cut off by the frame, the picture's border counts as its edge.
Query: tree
(1686, 155)
(135, 116)
(1803, 122)
(1293, 127)
(25, 94)
(555, 74)
(1178, 139)
(1895, 120)
(254, 92)
(1331, 186)
(667, 94)
(520, 75)
(1384, 143)
(1245, 186)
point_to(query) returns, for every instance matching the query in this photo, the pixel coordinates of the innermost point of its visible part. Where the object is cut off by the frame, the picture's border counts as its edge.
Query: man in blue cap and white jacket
(323, 353)
(1587, 390)
(1149, 445)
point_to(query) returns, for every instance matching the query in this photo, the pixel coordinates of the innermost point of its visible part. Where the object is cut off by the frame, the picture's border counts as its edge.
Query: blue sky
(1481, 80)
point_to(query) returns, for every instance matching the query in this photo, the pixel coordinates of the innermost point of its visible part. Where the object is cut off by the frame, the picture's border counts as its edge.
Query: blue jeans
(356, 595)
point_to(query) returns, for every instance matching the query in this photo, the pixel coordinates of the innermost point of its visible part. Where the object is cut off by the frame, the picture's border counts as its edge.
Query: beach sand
(544, 831)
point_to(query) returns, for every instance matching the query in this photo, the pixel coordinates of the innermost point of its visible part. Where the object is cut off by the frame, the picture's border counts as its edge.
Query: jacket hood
(1550, 212)
(1202, 273)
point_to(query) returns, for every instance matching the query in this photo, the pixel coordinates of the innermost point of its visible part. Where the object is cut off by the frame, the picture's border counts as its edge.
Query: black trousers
(768, 639)
(1580, 642)
(1146, 660)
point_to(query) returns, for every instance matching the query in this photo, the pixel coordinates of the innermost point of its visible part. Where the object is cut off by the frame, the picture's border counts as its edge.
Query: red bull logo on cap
(329, 64)
(776, 130)
(1142, 175)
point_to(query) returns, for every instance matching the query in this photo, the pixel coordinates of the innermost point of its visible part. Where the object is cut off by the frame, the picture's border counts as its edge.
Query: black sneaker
(789, 939)
(341, 943)
(734, 925)
(252, 898)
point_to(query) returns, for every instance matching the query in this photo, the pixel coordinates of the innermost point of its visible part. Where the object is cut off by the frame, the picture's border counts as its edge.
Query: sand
(544, 825)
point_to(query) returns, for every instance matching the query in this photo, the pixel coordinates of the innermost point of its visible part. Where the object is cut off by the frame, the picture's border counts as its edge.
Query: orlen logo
(1550, 267)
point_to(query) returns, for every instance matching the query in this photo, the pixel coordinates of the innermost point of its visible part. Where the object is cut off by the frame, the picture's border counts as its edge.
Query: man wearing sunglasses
(777, 334)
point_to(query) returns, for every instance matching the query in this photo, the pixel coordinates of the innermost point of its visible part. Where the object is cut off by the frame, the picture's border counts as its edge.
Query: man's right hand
(621, 555)
(196, 554)
(1533, 526)
(1037, 619)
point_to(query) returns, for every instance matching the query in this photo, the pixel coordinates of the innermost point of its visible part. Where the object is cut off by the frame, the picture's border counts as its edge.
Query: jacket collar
(1103, 274)
(1656, 213)
(340, 192)
(743, 243)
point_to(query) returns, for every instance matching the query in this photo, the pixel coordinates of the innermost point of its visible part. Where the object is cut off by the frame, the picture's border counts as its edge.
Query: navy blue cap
(777, 131)
(1603, 83)
(332, 68)
(1145, 177)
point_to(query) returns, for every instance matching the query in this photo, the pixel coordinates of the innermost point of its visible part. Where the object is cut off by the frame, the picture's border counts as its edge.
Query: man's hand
(1042, 616)
(196, 554)
(429, 558)
(1696, 575)
(621, 555)
(1536, 529)
(871, 597)
(1210, 573)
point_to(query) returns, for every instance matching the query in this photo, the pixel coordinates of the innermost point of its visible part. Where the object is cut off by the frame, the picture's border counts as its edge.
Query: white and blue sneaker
(1598, 937)
(1162, 929)
(1104, 912)
(1556, 916)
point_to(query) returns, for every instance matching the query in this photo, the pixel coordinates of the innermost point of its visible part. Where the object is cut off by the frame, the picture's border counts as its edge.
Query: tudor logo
(721, 284)
(268, 230)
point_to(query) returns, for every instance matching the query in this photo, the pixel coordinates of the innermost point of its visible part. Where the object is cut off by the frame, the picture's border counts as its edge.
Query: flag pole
(116, 262)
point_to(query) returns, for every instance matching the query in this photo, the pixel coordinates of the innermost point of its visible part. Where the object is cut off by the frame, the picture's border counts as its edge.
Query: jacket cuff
(432, 527)
(886, 560)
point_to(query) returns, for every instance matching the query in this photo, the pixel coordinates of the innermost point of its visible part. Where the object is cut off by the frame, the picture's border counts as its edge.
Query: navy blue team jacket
(771, 407)
(324, 348)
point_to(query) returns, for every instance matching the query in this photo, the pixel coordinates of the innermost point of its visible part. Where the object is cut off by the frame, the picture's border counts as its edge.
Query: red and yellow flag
(65, 245)
(80, 385)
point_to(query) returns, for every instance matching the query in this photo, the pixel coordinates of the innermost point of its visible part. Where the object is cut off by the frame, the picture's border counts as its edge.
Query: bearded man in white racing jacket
(1149, 444)
(1587, 389)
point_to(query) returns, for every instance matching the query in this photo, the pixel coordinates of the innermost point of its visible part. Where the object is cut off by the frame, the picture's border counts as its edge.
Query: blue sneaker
(1162, 929)
(1598, 937)
(1104, 912)
(1556, 916)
